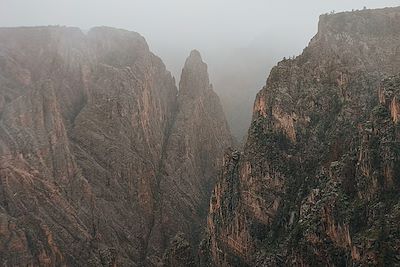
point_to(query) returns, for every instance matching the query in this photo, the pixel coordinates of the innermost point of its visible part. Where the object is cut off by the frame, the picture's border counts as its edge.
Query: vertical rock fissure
(157, 213)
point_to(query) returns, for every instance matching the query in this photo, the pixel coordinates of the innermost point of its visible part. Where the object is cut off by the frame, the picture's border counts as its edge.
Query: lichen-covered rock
(318, 181)
(179, 253)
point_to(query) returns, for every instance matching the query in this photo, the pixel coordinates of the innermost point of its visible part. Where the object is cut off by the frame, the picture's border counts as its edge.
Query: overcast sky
(185, 24)
(240, 40)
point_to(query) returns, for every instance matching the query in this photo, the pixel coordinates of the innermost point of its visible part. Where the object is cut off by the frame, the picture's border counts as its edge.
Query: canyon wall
(318, 181)
(98, 148)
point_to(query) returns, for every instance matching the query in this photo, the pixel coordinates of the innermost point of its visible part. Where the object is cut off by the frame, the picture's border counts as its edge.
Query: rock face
(318, 181)
(179, 253)
(102, 161)
(193, 154)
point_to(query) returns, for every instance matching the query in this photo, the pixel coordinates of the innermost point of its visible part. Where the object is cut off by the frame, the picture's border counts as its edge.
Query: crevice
(157, 193)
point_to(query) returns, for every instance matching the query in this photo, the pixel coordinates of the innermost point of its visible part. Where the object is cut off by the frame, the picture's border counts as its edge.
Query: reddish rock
(318, 181)
(89, 128)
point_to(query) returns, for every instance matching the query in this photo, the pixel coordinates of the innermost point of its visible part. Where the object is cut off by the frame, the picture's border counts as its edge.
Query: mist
(239, 40)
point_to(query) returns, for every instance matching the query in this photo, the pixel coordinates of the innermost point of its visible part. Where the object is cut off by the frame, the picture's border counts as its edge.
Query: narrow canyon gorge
(105, 161)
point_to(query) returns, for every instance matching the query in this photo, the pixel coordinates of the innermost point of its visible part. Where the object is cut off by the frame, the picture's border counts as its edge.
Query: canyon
(104, 162)
(317, 183)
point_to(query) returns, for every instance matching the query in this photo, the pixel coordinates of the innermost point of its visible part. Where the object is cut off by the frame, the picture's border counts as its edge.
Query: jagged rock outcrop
(318, 181)
(94, 139)
(193, 155)
(40, 184)
(179, 253)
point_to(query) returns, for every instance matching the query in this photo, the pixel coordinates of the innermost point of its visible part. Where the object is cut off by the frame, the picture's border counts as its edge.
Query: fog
(240, 40)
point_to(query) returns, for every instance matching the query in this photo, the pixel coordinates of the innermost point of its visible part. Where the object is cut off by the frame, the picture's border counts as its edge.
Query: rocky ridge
(318, 181)
(90, 148)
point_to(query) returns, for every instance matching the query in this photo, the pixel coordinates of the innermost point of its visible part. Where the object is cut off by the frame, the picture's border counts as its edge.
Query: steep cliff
(318, 181)
(194, 152)
(97, 148)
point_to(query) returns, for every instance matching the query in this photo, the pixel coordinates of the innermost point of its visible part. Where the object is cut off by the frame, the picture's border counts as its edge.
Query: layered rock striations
(193, 154)
(97, 148)
(318, 181)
